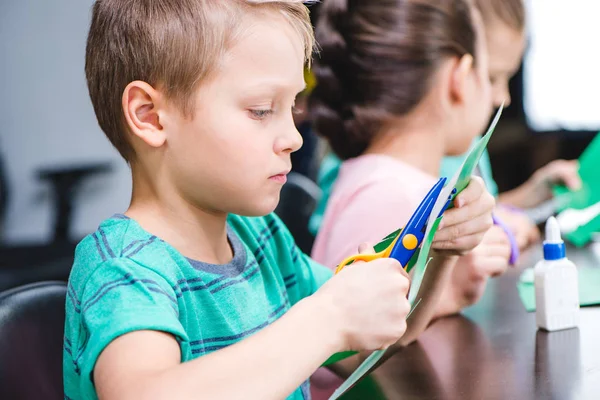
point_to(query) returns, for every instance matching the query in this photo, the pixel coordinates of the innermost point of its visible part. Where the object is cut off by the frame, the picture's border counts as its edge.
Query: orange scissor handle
(366, 257)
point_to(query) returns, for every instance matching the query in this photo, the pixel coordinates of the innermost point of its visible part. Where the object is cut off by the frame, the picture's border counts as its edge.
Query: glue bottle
(556, 284)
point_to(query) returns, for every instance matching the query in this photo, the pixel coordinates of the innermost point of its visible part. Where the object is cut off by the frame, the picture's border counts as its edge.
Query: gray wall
(46, 118)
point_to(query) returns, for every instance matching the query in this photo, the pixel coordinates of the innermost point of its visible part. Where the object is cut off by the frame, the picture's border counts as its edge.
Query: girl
(504, 22)
(401, 84)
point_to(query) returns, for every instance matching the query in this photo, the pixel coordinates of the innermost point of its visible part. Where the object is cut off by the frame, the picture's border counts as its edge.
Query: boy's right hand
(368, 303)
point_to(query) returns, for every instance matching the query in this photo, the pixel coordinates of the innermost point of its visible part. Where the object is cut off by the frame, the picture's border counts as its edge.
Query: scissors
(410, 238)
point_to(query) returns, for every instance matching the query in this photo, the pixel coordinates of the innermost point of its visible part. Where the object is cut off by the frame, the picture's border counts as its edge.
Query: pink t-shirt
(373, 196)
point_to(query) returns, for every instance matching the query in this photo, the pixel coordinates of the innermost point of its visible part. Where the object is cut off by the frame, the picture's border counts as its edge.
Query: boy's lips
(281, 177)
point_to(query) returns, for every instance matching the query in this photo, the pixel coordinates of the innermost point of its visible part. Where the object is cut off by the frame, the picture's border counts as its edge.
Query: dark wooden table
(494, 351)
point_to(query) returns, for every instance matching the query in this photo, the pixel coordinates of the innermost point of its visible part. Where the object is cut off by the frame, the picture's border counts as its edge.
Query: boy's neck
(420, 145)
(196, 233)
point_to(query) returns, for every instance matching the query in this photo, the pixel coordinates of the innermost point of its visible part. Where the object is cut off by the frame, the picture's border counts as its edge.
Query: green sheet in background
(589, 287)
(589, 194)
(589, 170)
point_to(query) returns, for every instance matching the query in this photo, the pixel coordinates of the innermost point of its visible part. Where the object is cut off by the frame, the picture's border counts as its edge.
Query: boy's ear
(142, 115)
(460, 78)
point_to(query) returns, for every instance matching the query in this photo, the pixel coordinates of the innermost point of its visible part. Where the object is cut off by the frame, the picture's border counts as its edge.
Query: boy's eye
(261, 114)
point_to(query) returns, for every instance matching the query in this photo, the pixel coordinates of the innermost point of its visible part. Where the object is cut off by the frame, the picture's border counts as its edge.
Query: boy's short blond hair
(172, 45)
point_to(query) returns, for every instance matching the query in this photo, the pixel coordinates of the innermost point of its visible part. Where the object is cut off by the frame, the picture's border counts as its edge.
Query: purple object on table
(514, 247)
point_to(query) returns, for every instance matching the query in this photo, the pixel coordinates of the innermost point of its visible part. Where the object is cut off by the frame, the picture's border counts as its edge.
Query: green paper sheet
(589, 194)
(589, 287)
(589, 170)
(584, 234)
(459, 181)
(367, 388)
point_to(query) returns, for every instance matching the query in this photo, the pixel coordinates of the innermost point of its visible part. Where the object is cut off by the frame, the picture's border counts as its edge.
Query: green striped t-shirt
(125, 279)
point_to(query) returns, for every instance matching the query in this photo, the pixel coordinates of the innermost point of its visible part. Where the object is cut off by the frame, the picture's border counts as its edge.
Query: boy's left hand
(464, 226)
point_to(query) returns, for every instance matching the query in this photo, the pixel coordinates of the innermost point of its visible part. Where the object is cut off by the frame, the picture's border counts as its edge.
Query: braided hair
(377, 59)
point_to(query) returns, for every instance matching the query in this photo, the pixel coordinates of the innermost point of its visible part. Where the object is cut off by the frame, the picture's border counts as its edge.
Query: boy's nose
(290, 141)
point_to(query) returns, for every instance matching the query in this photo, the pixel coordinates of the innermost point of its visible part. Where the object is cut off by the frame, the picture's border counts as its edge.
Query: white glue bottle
(556, 284)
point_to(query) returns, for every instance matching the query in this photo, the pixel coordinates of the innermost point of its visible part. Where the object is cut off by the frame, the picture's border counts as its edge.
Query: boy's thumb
(366, 248)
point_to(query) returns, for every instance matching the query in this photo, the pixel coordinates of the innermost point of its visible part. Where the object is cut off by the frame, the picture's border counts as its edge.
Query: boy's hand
(368, 303)
(464, 226)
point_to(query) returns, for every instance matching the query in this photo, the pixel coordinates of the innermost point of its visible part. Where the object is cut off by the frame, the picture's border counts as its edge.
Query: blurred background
(60, 177)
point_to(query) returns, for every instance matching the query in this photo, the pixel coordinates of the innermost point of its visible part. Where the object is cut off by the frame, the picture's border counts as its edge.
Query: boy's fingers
(366, 248)
(403, 272)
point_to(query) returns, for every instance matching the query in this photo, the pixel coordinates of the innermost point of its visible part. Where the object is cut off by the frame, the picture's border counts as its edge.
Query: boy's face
(505, 46)
(234, 155)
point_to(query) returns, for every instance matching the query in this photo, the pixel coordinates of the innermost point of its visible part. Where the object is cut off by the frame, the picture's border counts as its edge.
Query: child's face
(477, 106)
(233, 156)
(505, 47)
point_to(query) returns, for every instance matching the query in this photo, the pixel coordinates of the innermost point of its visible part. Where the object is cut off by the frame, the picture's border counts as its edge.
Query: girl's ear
(459, 78)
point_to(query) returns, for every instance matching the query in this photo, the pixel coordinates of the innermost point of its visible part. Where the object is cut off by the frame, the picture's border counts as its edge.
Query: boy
(180, 297)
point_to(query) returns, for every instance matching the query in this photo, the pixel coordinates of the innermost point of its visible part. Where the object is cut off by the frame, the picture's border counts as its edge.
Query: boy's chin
(259, 208)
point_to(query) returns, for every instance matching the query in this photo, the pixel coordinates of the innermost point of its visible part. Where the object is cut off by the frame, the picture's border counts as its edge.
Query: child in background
(401, 85)
(197, 291)
(394, 96)
(504, 22)
(505, 36)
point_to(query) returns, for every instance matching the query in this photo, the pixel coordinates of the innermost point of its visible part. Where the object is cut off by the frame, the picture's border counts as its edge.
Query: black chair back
(299, 197)
(32, 319)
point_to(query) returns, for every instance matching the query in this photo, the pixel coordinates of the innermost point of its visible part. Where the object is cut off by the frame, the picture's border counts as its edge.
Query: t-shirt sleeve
(122, 296)
(310, 274)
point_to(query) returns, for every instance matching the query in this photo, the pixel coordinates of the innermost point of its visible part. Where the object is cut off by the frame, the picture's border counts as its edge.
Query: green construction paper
(367, 388)
(583, 235)
(589, 171)
(338, 357)
(589, 194)
(589, 287)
